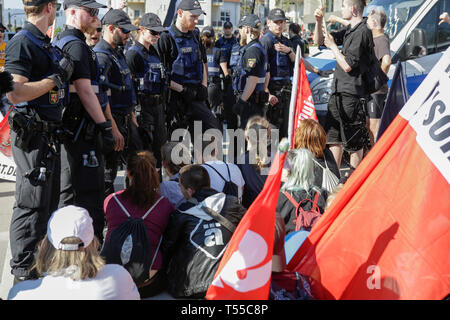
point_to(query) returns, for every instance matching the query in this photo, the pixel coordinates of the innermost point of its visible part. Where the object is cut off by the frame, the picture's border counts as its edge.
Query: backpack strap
(156, 251)
(154, 205)
(219, 172)
(220, 218)
(121, 205)
(291, 199)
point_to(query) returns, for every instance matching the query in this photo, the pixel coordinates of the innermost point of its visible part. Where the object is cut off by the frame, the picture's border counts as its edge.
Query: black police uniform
(183, 56)
(35, 146)
(82, 176)
(226, 45)
(253, 63)
(281, 70)
(215, 93)
(145, 67)
(122, 102)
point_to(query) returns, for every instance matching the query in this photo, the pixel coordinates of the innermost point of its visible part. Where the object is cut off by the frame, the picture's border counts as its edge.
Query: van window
(427, 38)
(444, 28)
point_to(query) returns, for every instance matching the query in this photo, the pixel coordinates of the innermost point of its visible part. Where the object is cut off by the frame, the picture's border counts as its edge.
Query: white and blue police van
(416, 40)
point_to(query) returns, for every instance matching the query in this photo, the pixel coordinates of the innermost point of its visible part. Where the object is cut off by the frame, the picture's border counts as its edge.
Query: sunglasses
(155, 33)
(124, 31)
(92, 11)
(98, 29)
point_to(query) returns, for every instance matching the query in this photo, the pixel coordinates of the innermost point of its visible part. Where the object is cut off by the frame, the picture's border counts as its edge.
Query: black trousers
(183, 114)
(278, 114)
(114, 159)
(151, 120)
(34, 204)
(83, 185)
(229, 99)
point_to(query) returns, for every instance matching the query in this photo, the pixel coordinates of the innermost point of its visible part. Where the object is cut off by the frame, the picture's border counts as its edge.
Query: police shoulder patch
(251, 62)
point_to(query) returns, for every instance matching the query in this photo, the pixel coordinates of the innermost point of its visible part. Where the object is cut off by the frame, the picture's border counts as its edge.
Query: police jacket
(252, 66)
(225, 45)
(145, 66)
(115, 69)
(73, 42)
(194, 242)
(30, 54)
(280, 65)
(182, 55)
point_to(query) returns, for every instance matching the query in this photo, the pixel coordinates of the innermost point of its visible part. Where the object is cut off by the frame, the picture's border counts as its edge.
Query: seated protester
(171, 189)
(311, 135)
(137, 199)
(285, 285)
(198, 234)
(256, 159)
(299, 186)
(220, 173)
(70, 265)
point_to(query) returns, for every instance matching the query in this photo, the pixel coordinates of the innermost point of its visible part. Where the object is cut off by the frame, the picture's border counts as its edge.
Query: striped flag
(387, 233)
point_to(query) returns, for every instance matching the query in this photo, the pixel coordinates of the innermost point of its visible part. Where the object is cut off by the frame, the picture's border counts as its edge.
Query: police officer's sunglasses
(154, 33)
(124, 31)
(92, 11)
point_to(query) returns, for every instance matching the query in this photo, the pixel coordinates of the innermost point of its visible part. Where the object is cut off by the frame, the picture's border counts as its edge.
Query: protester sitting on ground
(198, 234)
(220, 173)
(137, 199)
(70, 265)
(285, 285)
(299, 186)
(255, 163)
(311, 135)
(174, 156)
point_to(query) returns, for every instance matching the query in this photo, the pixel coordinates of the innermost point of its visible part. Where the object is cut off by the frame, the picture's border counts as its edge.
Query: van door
(424, 46)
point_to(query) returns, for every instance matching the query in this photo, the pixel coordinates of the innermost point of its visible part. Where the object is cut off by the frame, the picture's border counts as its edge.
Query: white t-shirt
(113, 282)
(217, 183)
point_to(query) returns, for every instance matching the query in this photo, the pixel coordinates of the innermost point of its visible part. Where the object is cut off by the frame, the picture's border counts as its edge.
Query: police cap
(83, 3)
(276, 15)
(193, 6)
(208, 30)
(227, 25)
(118, 18)
(250, 20)
(151, 21)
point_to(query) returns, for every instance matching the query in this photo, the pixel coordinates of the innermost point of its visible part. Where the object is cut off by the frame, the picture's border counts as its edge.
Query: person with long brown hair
(311, 135)
(137, 198)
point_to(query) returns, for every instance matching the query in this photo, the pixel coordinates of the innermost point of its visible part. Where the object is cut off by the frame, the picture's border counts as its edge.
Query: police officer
(40, 74)
(145, 66)
(88, 130)
(252, 80)
(116, 31)
(226, 43)
(184, 58)
(281, 58)
(214, 56)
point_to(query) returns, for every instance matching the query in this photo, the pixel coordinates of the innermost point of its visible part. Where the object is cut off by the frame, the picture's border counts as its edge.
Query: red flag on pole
(386, 235)
(245, 269)
(5, 138)
(302, 106)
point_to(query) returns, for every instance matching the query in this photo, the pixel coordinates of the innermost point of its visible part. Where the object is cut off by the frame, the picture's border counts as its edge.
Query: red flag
(386, 235)
(304, 105)
(5, 138)
(246, 266)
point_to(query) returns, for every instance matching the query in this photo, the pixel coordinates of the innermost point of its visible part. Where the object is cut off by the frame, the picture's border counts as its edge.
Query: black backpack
(129, 245)
(230, 187)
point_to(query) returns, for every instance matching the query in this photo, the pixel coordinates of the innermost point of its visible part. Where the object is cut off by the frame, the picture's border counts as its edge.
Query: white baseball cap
(70, 221)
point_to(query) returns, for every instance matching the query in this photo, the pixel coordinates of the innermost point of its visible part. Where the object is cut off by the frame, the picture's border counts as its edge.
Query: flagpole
(294, 93)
